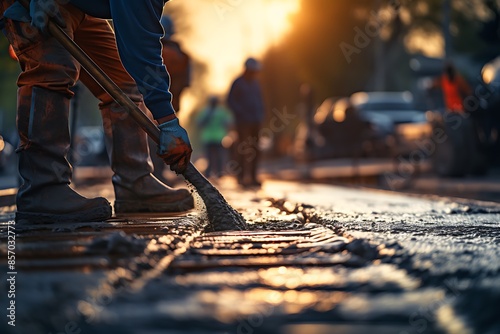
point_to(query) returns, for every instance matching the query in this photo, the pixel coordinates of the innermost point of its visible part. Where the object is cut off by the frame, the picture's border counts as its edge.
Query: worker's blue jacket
(245, 101)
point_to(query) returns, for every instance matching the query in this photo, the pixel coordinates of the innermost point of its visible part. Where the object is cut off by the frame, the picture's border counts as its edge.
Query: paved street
(316, 259)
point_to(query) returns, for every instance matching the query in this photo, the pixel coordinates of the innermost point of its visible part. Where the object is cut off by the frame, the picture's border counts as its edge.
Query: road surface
(317, 259)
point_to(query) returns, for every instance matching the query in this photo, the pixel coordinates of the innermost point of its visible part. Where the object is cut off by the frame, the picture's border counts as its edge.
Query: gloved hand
(174, 148)
(42, 10)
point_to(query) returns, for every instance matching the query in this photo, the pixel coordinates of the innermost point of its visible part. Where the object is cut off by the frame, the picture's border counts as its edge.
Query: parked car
(373, 124)
(339, 131)
(406, 127)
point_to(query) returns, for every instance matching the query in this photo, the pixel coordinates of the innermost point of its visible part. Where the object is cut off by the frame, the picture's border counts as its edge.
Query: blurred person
(214, 122)
(246, 103)
(455, 88)
(464, 151)
(178, 64)
(49, 72)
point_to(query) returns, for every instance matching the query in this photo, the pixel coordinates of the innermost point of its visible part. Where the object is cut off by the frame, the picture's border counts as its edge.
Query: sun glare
(221, 34)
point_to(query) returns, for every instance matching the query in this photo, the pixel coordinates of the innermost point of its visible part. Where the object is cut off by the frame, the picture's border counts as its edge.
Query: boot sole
(91, 215)
(131, 206)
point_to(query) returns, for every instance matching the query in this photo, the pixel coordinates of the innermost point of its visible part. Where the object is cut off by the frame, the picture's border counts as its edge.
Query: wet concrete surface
(220, 215)
(315, 259)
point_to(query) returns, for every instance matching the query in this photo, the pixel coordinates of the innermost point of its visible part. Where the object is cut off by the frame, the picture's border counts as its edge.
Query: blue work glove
(174, 148)
(43, 10)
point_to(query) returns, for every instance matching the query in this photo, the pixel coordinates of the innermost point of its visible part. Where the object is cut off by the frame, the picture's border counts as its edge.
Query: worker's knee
(58, 77)
(43, 60)
(50, 66)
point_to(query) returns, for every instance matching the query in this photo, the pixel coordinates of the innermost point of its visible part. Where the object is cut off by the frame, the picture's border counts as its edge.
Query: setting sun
(221, 34)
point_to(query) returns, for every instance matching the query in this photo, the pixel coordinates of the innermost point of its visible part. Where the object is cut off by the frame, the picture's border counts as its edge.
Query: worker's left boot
(136, 189)
(45, 196)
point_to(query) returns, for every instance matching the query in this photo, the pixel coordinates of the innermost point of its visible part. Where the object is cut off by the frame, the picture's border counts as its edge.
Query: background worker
(246, 103)
(455, 89)
(214, 122)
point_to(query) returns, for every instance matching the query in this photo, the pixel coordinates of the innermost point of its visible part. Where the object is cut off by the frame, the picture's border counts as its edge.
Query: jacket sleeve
(138, 34)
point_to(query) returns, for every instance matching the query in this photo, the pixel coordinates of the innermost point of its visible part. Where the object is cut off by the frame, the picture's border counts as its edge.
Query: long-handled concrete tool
(221, 215)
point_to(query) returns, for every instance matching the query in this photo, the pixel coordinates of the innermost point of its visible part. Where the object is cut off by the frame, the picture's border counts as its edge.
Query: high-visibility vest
(452, 96)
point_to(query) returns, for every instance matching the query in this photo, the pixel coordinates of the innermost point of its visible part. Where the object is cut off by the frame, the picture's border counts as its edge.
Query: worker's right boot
(136, 189)
(45, 195)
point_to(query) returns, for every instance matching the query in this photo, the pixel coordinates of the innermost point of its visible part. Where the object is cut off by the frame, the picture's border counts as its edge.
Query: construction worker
(455, 89)
(176, 60)
(246, 103)
(213, 123)
(48, 73)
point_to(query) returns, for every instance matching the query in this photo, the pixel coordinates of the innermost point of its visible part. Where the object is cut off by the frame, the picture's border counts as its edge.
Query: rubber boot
(45, 195)
(136, 189)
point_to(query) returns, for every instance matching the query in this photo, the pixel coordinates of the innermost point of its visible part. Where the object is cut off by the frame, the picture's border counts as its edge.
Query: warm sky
(223, 33)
